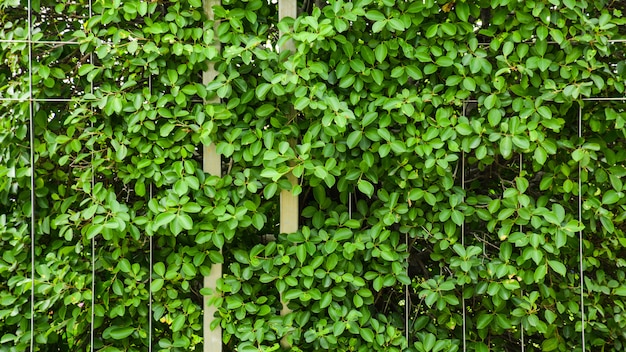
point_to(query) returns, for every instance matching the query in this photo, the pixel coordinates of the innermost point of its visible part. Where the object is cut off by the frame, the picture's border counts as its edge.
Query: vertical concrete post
(289, 212)
(289, 207)
(212, 164)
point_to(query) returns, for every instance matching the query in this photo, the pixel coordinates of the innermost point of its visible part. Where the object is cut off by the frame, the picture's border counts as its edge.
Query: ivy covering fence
(459, 166)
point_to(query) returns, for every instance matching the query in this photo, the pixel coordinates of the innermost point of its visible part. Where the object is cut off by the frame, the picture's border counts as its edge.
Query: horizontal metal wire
(49, 100)
(18, 41)
(65, 100)
(583, 99)
(610, 41)
(26, 41)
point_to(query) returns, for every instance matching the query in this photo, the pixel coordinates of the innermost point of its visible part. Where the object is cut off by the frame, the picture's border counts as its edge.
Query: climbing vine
(449, 157)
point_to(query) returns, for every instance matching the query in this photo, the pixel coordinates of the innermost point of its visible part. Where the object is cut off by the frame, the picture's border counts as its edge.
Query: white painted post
(212, 164)
(289, 207)
(289, 212)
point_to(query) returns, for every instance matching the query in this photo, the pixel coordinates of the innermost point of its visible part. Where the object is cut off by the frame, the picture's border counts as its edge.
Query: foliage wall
(442, 171)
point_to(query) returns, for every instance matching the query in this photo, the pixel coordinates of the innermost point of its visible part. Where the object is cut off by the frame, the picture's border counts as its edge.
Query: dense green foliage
(436, 144)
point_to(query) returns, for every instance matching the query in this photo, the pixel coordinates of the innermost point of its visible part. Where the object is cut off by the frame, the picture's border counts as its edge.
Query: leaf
(558, 267)
(366, 187)
(540, 273)
(490, 101)
(159, 269)
(262, 89)
(84, 69)
(156, 285)
(550, 344)
(178, 323)
(185, 221)
(464, 129)
(124, 265)
(444, 61)
(522, 142)
(611, 197)
(375, 15)
(544, 112)
(541, 156)
(94, 230)
(483, 321)
(432, 31)
(506, 147)
(462, 11)
(163, 219)
(429, 341)
(381, 52)
(265, 110)
(367, 334)
(469, 84)
(272, 174)
(620, 291)
(118, 333)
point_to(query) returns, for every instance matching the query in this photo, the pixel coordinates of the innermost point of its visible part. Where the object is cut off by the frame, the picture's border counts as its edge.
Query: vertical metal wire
(580, 234)
(407, 296)
(93, 239)
(463, 241)
(31, 126)
(151, 260)
(150, 292)
(350, 205)
(521, 168)
(93, 289)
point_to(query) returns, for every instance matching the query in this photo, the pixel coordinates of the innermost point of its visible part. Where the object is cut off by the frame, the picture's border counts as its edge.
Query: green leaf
(84, 69)
(448, 28)
(178, 323)
(159, 269)
(262, 89)
(544, 112)
(118, 333)
(462, 11)
(469, 84)
(375, 15)
(366, 187)
(540, 156)
(367, 334)
(491, 101)
(156, 285)
(354, 138)
(381, 52)
(444, 61)
(483, 321)
(163, 219)
(124, 265)
(481, 347)
(506, 147)
(540, 272)
(551, 344)
(611, 197)
(432, 31)
(185, 221)
(265, 110)
(620, 291)
(94, 230)
(558, 267)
